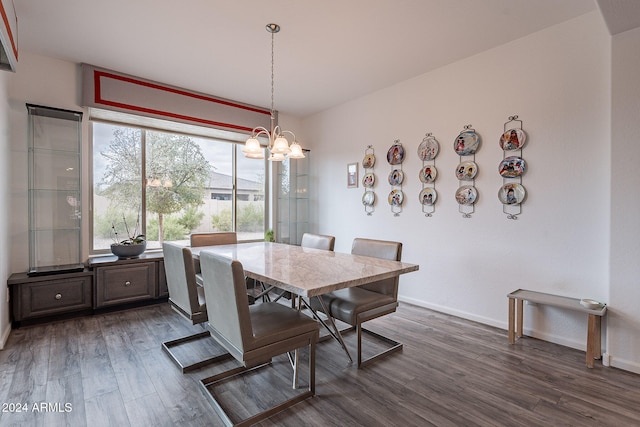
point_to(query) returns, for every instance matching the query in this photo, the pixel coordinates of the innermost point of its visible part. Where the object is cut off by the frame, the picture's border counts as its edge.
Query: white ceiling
(620, 15)
(328, 51)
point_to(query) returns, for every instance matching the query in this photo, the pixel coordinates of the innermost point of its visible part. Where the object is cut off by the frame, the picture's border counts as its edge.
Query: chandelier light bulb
(280, 146)
(276, 157)
(252, 148)
(296, 151)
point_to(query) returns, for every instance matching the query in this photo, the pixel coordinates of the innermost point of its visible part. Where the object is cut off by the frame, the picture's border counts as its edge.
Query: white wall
(557, 81)
(5, 213)
(624, 318)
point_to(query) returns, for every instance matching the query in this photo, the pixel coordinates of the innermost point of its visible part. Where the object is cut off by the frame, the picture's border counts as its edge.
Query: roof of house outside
(219, 181)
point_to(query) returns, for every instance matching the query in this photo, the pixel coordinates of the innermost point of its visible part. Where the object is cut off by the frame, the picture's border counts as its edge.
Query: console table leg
(512, 320)
(598, 338)
(591, 340)
(519, 332)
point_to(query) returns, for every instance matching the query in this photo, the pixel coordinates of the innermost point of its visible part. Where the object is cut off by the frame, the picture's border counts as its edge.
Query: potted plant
(269, 236)
(131, 247)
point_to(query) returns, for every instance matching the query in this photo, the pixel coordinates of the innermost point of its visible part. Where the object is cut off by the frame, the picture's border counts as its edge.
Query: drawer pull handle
(127, 283)
(58, 296)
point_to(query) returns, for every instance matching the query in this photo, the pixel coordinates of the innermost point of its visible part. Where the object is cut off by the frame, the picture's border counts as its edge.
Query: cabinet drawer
(53, 297)
(122, 284)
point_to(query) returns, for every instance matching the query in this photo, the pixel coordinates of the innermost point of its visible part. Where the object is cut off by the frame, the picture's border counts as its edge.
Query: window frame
(143, 220)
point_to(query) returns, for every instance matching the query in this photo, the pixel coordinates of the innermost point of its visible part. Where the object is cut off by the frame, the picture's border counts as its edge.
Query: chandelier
(278, 146)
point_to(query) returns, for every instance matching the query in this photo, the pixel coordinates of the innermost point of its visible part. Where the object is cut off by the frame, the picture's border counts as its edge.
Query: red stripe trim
(99, 100)
(6, 24)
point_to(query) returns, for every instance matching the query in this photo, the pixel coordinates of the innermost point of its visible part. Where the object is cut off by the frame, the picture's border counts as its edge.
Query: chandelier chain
(272, 73)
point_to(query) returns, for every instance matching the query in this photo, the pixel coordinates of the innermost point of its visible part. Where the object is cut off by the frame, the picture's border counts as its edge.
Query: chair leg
(166, 346)
(312, 367)
(359, 330)
(394, 346)
(206, 383)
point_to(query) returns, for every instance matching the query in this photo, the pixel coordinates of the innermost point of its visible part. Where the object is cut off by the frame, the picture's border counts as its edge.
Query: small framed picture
(352, 175)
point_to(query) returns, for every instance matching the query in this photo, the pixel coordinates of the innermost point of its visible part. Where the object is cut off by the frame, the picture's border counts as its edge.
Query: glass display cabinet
(292, 182)
(54, 190)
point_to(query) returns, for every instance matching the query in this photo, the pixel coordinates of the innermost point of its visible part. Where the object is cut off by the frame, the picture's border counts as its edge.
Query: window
(167, 185)
(220, 196)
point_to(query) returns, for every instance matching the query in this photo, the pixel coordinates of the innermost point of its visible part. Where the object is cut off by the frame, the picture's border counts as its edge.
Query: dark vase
(128, 251)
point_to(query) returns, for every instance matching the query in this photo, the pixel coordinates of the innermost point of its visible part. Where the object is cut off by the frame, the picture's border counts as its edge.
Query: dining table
(308, 272)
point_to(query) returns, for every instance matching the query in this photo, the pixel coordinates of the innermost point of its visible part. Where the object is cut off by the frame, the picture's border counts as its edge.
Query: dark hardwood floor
(109, 369)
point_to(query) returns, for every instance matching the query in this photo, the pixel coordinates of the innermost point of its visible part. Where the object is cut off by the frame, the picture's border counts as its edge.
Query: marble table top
(304, 271)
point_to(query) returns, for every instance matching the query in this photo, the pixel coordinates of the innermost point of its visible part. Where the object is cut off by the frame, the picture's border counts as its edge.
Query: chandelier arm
(278, 131)
(289, 132)
(257, 131)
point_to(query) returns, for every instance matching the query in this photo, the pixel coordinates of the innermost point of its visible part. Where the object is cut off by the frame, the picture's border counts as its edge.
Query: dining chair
(220, 238)
(210, 239)
(318, 241)
(359, 304)
(186, 298)
(252, 334)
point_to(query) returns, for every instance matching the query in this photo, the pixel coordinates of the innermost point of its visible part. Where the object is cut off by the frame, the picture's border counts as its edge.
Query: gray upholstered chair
(359, 304)
(318, 241)
(252, 334)
(210, 239)
(187, 298)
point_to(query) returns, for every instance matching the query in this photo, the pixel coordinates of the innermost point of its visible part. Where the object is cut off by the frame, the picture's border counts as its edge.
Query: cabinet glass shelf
(55, 220)
(293, 200)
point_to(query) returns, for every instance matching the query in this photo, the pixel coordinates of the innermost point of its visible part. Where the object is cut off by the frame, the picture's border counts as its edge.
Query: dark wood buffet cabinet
(106, 283)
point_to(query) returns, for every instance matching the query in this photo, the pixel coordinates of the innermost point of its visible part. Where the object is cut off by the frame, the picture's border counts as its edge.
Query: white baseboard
(462, 314)
(578, 345)
(623, 364)
(5, 336)
(556, 339)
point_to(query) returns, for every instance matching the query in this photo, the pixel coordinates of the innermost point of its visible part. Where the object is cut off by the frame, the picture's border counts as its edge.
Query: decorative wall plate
(428, 174)
(368, 161)
(395, 155)
(396, 197)
(396, 177)
(368, 180)
(368, 198)
(467, 143)
(512, 167)
(511, 194)
(466, 195)
(428, 148)
(466, 171)
(428, 196)
(513, 139)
